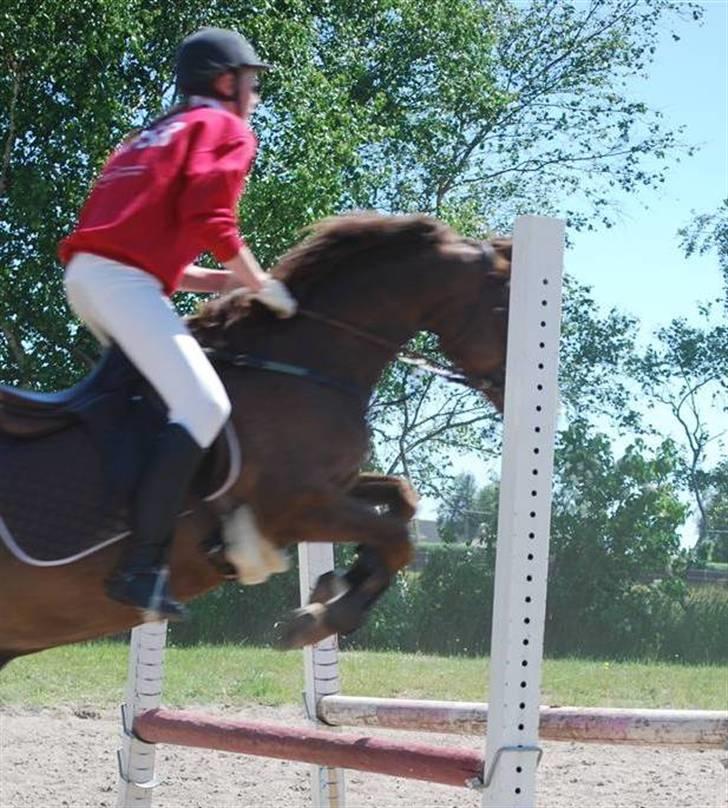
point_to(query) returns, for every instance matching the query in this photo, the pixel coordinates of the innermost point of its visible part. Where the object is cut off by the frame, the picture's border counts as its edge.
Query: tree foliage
(684, 373)
(473, 110)
(713, 538)
(708, 233)
(615, 530)
(458, 517)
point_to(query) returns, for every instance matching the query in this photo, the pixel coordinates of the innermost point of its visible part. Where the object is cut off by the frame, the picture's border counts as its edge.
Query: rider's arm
(245, 270)
(240, 270)
(204, 281)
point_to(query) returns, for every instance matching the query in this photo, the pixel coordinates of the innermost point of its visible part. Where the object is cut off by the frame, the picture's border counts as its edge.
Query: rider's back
(169, 193)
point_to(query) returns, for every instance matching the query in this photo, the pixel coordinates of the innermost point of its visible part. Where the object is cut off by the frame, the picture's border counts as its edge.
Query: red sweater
(169, 194)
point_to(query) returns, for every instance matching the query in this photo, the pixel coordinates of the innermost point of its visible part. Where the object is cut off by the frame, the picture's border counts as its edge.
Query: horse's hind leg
(386, 548)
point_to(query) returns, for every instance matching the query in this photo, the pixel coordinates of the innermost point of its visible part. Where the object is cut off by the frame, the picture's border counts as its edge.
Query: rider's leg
(129, 307)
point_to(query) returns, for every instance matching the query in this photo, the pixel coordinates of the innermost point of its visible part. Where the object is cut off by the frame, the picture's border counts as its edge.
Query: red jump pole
(445, 765)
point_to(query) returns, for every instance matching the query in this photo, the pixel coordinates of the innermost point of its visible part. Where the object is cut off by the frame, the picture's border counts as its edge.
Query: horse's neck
(391, 314)
(391, 308)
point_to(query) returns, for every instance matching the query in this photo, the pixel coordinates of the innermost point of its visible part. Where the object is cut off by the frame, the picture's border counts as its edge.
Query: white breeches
(126, 305)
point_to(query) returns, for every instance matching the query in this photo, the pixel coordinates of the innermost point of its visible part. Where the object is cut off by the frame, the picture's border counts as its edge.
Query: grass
(94, 674)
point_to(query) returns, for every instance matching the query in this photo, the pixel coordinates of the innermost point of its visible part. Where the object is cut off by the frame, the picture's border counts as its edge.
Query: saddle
(27, 414)
(79, 452)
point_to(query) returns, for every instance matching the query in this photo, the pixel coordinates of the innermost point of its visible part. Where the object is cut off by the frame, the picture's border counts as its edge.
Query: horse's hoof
(328, 586)
(305, 627)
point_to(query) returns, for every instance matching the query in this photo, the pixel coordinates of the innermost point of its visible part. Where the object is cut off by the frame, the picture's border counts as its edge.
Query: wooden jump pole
(448, 766)
(688, 728)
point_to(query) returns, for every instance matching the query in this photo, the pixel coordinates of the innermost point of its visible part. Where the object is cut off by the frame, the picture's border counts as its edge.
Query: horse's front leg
(394, 496)
(385, 548)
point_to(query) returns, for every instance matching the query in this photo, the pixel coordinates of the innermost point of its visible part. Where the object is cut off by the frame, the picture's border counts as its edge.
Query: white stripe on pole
(524, 513)
(143, 692)
(321, 672)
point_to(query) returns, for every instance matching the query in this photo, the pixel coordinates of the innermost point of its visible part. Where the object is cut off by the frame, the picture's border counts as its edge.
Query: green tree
(473, 111)
(615, 547)
(684, 374)
(713, 536)
(457, 518)
(596, 356)
(708, 232)
(486, 505)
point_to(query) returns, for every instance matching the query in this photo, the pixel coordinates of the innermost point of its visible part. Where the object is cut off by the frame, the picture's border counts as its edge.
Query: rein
(493, 382)
(406, 357)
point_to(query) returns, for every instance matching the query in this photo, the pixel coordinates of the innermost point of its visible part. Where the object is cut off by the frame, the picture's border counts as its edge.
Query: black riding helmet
(208, 53)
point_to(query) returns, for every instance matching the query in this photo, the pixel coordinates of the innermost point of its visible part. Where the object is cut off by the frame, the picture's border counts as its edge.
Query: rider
(166, 195)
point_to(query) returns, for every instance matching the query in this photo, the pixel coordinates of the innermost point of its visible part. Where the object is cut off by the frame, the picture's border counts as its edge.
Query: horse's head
(471, 314)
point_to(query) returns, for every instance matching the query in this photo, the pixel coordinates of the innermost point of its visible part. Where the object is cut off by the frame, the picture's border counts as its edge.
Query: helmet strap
(237, 72)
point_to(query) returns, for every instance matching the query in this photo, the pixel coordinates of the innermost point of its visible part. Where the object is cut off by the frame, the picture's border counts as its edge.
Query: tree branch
(16, 349)
(10, 140)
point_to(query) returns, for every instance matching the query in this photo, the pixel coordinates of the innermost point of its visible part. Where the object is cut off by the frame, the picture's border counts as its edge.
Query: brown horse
(303, 438)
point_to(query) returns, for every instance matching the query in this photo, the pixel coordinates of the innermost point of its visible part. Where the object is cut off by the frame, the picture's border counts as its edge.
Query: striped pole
(143, 692)
(435, 764)
(697, 729)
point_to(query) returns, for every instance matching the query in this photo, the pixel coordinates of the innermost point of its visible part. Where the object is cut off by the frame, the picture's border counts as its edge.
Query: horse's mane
(332, 245)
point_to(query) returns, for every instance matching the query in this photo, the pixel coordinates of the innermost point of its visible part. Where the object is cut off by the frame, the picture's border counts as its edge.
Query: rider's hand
(276, 297)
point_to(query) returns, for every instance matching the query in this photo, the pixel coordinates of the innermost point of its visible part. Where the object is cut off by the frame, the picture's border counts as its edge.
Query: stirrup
(147, 590)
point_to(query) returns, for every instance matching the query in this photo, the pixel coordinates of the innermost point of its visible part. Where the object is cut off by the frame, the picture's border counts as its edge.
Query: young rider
(165, 196)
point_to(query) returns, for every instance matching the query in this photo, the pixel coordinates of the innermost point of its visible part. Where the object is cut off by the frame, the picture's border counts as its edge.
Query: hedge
(446, 609)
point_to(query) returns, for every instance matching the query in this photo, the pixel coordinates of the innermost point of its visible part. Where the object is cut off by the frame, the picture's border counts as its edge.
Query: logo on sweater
(156, 138)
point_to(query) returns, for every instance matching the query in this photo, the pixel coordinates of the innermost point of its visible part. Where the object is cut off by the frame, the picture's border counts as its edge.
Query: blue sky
(637, 265)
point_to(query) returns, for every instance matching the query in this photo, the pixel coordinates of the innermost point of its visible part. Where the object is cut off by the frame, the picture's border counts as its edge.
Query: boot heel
(148, 591)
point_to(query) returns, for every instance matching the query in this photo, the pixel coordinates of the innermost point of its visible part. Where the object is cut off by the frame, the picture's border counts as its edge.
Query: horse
(366, 284)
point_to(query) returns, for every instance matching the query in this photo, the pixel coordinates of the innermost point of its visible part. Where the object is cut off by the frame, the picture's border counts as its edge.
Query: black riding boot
(141, 578)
